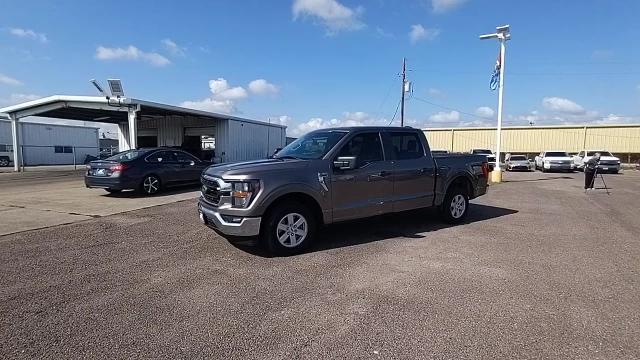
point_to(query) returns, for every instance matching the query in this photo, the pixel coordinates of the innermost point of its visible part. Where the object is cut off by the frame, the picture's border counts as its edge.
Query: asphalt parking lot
(540, 270)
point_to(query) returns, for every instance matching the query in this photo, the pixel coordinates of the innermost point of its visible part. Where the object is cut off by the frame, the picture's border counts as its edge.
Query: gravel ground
(540, 270)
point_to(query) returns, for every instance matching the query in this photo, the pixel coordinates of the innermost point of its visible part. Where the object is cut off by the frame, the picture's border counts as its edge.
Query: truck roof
(352, 128)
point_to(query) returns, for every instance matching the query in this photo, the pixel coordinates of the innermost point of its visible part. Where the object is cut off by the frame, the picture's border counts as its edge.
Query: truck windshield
(313, 145)
(556, 154)
(602, 153)
(482, 151)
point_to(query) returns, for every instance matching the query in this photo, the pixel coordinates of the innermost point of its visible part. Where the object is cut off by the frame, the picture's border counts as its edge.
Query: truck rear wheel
(289, 229)
(455, 206)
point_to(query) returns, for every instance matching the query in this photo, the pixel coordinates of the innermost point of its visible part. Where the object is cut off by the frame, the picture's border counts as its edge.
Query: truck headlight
(546, 162)
(243, 192)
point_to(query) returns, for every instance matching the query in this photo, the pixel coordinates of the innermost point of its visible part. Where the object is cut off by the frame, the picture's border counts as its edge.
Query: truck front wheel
(289, 229)
(455, 206)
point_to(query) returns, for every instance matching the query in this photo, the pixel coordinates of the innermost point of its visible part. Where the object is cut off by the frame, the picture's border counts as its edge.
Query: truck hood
(252, 169)
(557, 158)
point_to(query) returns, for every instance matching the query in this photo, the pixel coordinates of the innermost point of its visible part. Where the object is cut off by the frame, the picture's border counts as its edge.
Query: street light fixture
(502, 34)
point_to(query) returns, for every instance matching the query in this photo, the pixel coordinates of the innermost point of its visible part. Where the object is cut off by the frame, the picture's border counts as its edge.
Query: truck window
(406, 146)
(366, 148)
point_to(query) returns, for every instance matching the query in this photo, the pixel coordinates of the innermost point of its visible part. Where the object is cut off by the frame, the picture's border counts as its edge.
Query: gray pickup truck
(334, 175)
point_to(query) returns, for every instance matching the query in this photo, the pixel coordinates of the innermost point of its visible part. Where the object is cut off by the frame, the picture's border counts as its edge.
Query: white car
(554, 160)
(608, 162)
(491, 157)
(6, 155)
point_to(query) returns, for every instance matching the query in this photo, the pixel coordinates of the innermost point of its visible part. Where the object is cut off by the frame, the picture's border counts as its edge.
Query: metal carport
(236, 138)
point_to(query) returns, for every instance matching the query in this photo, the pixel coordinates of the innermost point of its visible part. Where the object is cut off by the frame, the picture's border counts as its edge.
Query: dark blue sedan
(146, 170)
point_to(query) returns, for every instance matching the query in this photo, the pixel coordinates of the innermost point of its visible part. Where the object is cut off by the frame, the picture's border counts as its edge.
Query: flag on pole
(495, 77)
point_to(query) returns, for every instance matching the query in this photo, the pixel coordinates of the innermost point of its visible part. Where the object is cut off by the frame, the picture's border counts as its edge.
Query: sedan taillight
(118, 167)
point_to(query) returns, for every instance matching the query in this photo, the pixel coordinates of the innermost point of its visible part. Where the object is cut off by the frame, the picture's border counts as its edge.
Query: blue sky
(315, 63)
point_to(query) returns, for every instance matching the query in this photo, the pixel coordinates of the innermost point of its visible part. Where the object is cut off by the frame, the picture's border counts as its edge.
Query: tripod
(593, 180)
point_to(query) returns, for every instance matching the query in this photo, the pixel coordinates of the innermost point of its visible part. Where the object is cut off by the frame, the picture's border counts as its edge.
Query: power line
(395, 113)
(450, 108)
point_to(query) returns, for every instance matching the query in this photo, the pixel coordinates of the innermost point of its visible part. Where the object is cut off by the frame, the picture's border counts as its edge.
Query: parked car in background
(517, 162)
(608, 162)
(554, 161)
(146, 170)
(6, 155)
(491, 157)
(439, 152)
(334, 175)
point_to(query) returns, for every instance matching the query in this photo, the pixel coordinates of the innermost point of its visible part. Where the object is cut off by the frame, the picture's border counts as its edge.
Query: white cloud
(7, 80)
(222, 91)
(28, 33)
(433, 92)
(485, 112)
(382, 33)
(331, 13)
(18, 99)
(224, 97)
(562, 105)
(282, 120)
(131, 53)
(418, 32)
(211, 105)
(357, 118)
(445, 117)
(442, 6)
(262, 87)
(602, 54)
(173, 48)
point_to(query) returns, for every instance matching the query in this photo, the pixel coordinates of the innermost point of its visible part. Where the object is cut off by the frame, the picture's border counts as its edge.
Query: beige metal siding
(615, 138)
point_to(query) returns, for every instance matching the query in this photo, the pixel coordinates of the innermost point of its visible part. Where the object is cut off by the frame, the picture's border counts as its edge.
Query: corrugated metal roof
(70, 103)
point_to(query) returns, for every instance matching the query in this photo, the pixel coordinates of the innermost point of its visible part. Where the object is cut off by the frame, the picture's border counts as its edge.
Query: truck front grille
(211, 191)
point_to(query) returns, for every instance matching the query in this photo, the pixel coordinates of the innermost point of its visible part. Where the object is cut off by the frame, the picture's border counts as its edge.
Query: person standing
(590, 171)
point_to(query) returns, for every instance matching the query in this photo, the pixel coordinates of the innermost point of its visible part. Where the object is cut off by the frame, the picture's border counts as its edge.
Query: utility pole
(404, 81)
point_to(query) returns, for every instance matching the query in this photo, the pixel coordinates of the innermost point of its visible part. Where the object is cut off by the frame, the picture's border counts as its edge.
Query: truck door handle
(381, 174)
(428, 171)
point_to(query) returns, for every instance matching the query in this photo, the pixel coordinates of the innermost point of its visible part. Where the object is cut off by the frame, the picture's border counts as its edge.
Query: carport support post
(133, 127)
(15, 129)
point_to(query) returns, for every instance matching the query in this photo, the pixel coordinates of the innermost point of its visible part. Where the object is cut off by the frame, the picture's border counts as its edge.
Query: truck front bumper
(228, 224)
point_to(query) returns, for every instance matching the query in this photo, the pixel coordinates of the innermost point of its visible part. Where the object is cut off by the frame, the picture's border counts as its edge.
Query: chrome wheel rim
(151, 185)
(4, 162)
(292, 230)
(458, 206)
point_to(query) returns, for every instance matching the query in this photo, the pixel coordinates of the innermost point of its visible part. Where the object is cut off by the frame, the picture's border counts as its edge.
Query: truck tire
(455, 206)
(288, 229)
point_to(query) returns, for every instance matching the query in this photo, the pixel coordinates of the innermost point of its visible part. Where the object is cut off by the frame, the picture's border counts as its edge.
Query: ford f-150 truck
(334, 175)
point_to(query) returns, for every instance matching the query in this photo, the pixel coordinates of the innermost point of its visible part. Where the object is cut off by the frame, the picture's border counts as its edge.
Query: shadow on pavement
(133, 194)
(410, 224)
(540, 179)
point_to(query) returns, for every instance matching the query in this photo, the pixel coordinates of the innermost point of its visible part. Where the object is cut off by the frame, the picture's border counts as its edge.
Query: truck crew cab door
(413, 170)
(364, 190)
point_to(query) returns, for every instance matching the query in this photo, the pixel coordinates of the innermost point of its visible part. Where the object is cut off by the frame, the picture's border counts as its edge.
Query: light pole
(502, 34)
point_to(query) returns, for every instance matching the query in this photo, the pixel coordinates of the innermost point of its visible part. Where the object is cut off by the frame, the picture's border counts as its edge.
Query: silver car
(517, 162)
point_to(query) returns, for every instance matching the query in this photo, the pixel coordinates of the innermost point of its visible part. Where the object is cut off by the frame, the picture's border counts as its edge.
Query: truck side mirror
(345, 163)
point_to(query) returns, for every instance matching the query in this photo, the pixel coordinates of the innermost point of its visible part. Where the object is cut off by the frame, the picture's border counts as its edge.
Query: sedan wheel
(4, 162)
(151, 185)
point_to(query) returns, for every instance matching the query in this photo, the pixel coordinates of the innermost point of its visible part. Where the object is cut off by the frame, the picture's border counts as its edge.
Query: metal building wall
(235, 140)
(615, 138)
(39, 141)
(248, 141)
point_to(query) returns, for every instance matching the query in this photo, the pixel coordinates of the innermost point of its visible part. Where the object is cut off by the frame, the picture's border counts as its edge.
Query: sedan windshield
(126, 155)
(518, 158)
(313, 145)
(556, 154)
